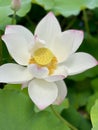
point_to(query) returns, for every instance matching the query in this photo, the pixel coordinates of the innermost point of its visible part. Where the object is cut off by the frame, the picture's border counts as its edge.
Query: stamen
(43, 57)
(52, 66)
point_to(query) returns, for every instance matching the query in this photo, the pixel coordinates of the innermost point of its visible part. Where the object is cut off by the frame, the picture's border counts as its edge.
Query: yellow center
(44, 58)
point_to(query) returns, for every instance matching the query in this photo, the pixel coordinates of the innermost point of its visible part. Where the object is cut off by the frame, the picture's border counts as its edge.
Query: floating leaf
(17, 112)
(16, 109)
(67, 7)
(76, 119)
(58, 108)
(79, 94)
(47, 121)
(94, 83)
(91, 101)
(94, 116)
(5, 11)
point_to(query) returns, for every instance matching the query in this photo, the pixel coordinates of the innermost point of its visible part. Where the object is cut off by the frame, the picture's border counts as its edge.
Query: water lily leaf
(79, 94)
(58, 108)
(5, 11)
(94, 116)
(67, 7)
(91, 101)
(94, 84)
(17, 111)
(75, 118)
(62, 106)
(47, 121)
(16, 87)
(12, 87)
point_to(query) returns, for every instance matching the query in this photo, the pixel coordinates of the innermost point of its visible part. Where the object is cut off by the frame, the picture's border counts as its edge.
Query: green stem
(86, 21)
(71, 23)
(29, 20)
(0, 50)
(14, 18)
(62, 119)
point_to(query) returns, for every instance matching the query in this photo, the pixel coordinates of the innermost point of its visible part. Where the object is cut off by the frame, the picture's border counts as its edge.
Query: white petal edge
(17, 47)
(37, 71)
(22, 31)
(62, 92)
(13, 73)
(48, 28)
(59, 74)
(42, 93)
(78, 36)
(80, 62)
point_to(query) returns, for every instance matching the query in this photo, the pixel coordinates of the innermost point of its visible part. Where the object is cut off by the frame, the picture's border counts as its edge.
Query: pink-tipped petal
(38, 72)
(66, 43)
(80, 62)
(78, 38)
(22, 31)
(48, 28)
(13, 73)
(17, 47)
(42, 93)
(62, 92)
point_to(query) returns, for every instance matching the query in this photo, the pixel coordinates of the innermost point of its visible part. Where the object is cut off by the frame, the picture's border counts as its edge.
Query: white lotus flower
(44, 60)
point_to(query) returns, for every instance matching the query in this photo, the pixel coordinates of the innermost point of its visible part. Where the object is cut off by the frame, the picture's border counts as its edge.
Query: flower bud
(15, 5)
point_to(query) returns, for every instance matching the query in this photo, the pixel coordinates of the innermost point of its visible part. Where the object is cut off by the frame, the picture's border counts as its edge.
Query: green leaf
(58, 108)
(78, 77)
(94, 84)
(64, 105)
(12, 87)
(67, 7)
(94, 116)
(16, 87)
(5, 11)
(91, 101)
(47, 4)
(79, 93)
(47, 121)
(90, 45)
(75, 118)
(17, 112)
